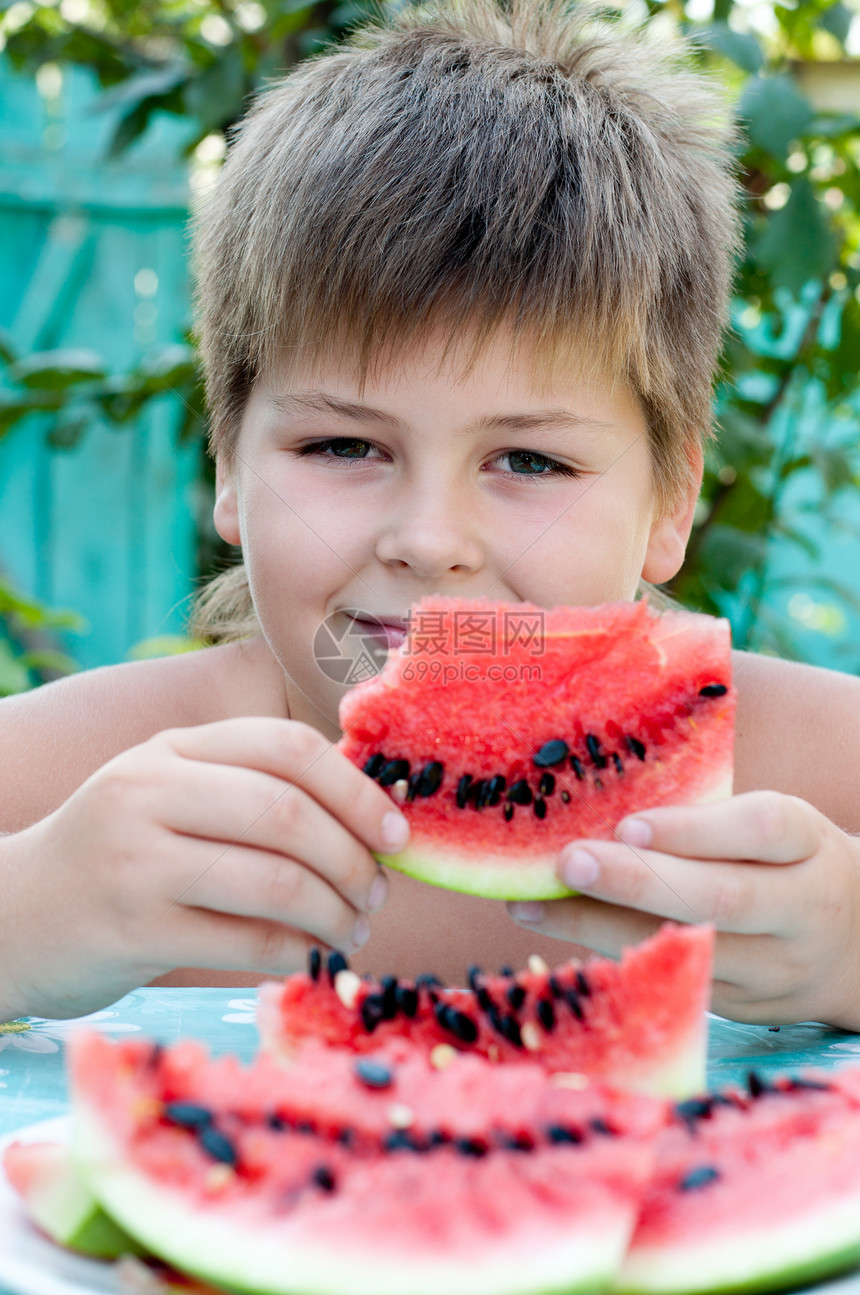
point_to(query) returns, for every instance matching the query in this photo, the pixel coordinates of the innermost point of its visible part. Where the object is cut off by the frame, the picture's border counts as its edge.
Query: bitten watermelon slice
(362, 1175)
(508, 731)
(638, 1023)
(753, 1191)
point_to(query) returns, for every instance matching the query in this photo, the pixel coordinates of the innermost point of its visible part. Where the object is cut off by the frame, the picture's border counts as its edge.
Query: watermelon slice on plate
(506, 731)
(754, 1191)
(362, 1175)
(638, 1023)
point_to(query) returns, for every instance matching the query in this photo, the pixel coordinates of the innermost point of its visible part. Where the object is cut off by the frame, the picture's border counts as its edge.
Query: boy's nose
(432, 535)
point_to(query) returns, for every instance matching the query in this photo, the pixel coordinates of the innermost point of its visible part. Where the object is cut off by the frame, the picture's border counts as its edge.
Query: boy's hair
(472, 164)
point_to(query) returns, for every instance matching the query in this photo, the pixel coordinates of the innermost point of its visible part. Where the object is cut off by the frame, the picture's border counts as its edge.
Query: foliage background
(786, 463)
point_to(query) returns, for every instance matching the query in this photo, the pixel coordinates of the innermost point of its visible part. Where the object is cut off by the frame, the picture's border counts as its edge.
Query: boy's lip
(390, 631)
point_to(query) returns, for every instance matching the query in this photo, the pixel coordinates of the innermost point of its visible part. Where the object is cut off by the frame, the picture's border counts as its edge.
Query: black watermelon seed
(756, 1084)
(577, 767)
(546, 1014)
(511, 1031)
(516, 996)
(457, 1023)
(334, 963)
(616, 760)
(713, 690)
(430, 778)
(407, 1000)
(817, 1085)
(475, 792)
(473, 976)
(393, 771)
(219, 1147)
(496, 785)
(582, 984)
(427, 980)
(565, 795)
(773, 1029)
(305, 1126)
(635, 747)
(699, 1177)
(323, 1178)
(388, 985)
(373, 1074)
(485, 795)
(471, 1147)
(439, 1138)
(506, 970)
(546, 786)
(515, 1141)
(571, 997)
(188, 1115)
(562, 1133)
(595, 750)
(598, 1125)
(555, 987)
(540, 807)
(694, 1109)
(482, 996)
(463, 790)
(374, 765)
(551, 753)
(276, 1122)
(371, 1012)
(314, 963)
(401, 1140)
(520, 793)
(508, 812)
(412, 789)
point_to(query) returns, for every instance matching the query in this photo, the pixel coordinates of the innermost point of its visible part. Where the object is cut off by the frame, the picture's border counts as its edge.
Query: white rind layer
(732, 1260)
(500, 875)
(214, 1244)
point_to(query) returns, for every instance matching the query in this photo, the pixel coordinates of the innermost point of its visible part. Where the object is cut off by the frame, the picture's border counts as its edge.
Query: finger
(244, 807)
(606, 928)
(227, 943)
(744, 898)
(298, 754)
(254, 883)
(763, 826)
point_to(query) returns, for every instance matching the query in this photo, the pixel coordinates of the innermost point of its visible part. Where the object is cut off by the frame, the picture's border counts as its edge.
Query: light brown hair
(536, 164)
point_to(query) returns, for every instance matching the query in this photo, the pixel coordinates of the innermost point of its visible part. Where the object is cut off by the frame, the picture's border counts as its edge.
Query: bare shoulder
(53, 738)
(798, 731)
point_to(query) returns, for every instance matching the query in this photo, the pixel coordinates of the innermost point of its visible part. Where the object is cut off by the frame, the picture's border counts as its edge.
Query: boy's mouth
(388, 631)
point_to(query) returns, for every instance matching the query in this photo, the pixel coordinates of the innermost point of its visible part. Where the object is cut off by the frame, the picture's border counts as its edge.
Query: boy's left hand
(777, 879)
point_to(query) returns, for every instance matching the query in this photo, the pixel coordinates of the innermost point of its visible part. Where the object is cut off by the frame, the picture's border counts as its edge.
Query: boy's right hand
(234, 845)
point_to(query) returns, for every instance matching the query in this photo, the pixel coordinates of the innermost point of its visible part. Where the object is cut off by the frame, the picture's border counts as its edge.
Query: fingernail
(579, 869)
(395, 830)
(635, 831)
(361, 931)
(526, 911)
(377, 894)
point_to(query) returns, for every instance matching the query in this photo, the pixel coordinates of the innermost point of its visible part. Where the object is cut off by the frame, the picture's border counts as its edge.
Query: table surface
(32, 1063)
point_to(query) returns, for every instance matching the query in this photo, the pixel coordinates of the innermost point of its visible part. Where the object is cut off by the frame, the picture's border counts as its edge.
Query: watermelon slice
(362, 1175)
(507, 731)
(753, 1191)
(639, 1024)
(56, 1198)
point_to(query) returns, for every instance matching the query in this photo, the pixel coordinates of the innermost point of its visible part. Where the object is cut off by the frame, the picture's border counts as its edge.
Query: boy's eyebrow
(323, 402)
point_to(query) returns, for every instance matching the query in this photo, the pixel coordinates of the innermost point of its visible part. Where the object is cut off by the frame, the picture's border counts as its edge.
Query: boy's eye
(528, 463)
(341, 447)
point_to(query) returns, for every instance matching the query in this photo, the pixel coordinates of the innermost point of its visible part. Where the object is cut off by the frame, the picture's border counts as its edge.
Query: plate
(30, 1264)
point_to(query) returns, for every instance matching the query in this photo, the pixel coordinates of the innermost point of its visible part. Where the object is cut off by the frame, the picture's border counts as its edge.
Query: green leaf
(148, 84)
(775, 111)
(215, 96)
(727, 554)
(68, 428)
(837, 20)
(835, 467)
(7, 351)
(56, 370)
(741, 47)
(797, 244)
(44, 662)
(14, 676)
(129, 128)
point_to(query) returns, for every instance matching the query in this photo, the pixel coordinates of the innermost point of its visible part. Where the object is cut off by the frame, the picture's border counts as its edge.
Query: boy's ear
(226, 510)
(671, 530)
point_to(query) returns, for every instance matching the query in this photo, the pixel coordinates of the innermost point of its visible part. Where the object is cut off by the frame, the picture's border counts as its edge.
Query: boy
(461, 290)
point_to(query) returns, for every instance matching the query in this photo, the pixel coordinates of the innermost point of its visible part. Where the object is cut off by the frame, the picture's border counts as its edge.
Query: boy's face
(429, 482)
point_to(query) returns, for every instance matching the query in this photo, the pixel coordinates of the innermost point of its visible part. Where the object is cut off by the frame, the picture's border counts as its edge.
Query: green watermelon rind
(490, 877)
(773, 1257)
(213, 1245)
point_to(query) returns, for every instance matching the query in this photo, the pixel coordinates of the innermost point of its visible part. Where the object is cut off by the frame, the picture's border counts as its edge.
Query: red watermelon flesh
(511, 730)
(638, 1023)
(753, 1191)
(362, 1176)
